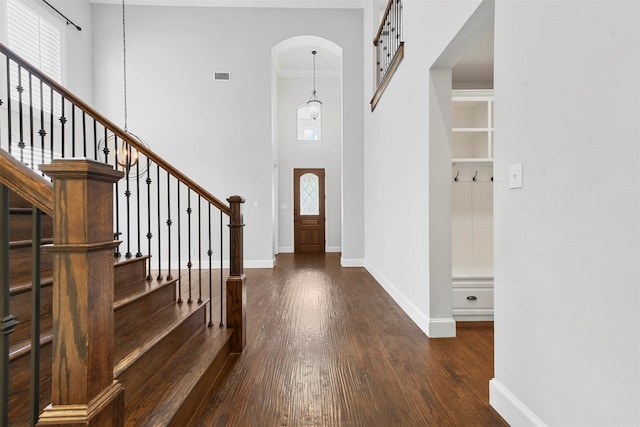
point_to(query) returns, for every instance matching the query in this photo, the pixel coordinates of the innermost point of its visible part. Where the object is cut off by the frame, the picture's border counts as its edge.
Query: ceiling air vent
(222, 76)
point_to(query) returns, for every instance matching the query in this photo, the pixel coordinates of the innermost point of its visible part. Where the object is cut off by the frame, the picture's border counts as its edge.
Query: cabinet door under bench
(473, 298)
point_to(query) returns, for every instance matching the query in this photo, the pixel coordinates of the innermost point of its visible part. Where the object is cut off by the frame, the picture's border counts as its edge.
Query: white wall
(79, 58)
(220, 133)
(397, 136)
(567, 307)
(326, 154)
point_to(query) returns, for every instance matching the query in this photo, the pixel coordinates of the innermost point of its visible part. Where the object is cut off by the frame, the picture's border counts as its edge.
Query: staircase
(166, 356)
(118, 344)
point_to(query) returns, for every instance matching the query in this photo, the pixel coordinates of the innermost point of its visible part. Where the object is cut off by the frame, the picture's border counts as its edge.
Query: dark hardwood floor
(327, 346)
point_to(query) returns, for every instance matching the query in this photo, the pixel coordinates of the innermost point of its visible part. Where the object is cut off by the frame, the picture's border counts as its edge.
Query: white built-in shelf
(472, 204)
(472, 160)
(472, 125)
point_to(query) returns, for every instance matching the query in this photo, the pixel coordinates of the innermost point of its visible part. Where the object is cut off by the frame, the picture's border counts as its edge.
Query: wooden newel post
(236, 283)
(83, 390)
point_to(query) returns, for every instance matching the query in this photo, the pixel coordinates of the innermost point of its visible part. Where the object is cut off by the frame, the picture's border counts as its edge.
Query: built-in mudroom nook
(472, 204)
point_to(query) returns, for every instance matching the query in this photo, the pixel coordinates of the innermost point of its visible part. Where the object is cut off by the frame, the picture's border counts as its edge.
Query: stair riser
(19, 379)
(203, 389)
(145, 306)
(20, 227)
(20, 264)
(134, 270)
(16, 201)
(21, 308)
(134, 377)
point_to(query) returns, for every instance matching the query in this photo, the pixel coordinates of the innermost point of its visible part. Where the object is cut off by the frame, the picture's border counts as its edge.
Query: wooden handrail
(26, 183)
(120, 133)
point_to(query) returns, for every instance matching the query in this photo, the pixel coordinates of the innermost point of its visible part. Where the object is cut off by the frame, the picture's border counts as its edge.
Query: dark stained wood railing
(389, 45)
(28, 184)
(32, 134)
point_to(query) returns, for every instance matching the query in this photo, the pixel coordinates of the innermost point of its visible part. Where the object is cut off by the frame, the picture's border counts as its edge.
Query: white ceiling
(317, 4)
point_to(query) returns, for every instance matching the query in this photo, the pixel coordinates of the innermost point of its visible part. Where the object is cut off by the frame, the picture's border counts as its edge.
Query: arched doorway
(291, 86)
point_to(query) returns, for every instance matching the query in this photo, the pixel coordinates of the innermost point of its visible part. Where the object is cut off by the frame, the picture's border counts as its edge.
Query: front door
(308, 210)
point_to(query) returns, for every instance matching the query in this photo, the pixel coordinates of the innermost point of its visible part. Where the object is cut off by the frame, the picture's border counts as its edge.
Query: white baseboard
(345, 262)
(444, 327)
(260, 263)
(433, 328)
(289, 249)
(510, 407)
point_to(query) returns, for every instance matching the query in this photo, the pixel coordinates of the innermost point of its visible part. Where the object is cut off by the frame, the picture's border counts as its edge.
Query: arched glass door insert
(308, 212)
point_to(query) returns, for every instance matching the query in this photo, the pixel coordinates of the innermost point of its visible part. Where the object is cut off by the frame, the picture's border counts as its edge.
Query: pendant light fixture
(127, 155)
(313, 104)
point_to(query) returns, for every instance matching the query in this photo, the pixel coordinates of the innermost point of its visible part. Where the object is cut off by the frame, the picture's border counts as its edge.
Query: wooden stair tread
(143, 335)
(124, 295)
(23, 347)
(27, 243)
(167, 391)
(21, 288)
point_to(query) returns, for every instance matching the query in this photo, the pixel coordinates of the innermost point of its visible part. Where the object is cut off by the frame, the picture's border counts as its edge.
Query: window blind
(39, 42)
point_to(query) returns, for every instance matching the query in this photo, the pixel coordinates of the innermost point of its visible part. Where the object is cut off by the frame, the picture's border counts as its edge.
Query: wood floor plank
(327, 346)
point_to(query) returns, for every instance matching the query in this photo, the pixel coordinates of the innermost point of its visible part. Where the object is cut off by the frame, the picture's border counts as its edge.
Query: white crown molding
(305, 4)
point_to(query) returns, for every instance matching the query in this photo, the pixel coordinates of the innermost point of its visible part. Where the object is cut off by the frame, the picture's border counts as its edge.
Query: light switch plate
(515, 176)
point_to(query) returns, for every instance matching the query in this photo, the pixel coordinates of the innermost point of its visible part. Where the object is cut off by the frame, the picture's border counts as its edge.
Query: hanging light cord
(124, 61)
(314, 71)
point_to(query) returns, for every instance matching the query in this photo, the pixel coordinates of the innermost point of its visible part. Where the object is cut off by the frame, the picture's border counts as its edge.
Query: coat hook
(475, 177)
(491, 179)
(456, 178)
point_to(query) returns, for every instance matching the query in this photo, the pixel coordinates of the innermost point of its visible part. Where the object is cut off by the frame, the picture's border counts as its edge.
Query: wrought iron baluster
(105, 149)
(401, 21)
(36, 262)
(127, 194)
(199, 251)
(159, 277)
(51, 126)
(179, 249)
(42, 132)
(149, 235)
(221, 246)
(169, 223)
(31, 131)
(7, 321)
(210, 253)
(394, 27)
(20, 90)
(63, 121)
(73, 130)
(84, 134)
(95, 139)
(189, 265)
(117, 252)
(9, 121)
(139, 253)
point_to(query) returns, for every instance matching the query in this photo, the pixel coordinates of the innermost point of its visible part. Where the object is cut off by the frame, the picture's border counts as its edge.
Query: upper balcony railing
(389, 45)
